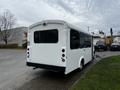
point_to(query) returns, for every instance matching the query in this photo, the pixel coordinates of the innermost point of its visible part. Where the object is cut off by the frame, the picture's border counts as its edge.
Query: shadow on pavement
(48, 80)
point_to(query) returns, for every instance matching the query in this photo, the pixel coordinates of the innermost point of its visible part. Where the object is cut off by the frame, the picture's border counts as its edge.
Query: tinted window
(85, 40)
(74, 39)
(100, 43)
(47, 36)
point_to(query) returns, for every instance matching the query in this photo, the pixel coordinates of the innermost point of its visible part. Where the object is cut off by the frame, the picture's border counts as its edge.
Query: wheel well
(82, 61)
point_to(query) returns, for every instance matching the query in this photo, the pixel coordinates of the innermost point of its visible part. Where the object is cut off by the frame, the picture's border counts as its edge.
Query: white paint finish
(50, 54)
(75, 56)
(116, 40)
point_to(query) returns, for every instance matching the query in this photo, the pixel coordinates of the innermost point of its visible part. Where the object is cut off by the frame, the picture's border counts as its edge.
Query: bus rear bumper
(49, 67)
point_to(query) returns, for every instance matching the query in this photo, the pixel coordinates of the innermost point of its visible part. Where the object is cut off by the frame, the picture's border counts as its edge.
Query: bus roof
(57, 22)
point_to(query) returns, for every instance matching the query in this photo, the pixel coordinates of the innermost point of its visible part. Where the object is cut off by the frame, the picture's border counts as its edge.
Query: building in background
(17, 36)
(98, 37)
(116, 39)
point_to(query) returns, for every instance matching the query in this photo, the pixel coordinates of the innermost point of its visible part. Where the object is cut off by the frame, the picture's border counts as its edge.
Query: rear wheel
(82, 65)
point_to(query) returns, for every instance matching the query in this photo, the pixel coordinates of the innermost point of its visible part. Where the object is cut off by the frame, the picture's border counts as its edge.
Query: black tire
(82, 64)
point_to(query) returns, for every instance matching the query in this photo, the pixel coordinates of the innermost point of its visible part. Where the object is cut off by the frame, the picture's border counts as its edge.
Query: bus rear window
(47, 36)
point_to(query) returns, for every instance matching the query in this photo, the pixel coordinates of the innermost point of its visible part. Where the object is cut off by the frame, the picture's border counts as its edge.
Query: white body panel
(51, 54)
(75, 56)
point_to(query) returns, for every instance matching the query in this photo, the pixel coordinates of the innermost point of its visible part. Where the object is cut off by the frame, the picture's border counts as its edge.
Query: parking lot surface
(15, 75)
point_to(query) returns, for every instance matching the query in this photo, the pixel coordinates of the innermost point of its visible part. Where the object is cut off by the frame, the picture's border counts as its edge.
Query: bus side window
(82, 40)
(85, 40)
(74, 39)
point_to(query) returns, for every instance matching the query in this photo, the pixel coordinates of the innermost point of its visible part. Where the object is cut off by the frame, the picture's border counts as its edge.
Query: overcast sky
(97, 14)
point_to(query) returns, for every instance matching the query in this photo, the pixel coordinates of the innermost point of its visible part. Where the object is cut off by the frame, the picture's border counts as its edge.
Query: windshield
(46, 36)
(100, 43)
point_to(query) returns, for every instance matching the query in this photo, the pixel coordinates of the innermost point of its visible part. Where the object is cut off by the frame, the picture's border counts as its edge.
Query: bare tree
(7, 21)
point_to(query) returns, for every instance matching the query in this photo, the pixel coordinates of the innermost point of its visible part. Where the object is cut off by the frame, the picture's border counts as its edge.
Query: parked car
(115, 47)
(100, 45)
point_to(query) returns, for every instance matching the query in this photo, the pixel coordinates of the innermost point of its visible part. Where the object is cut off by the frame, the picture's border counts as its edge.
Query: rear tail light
(28, 54)
(63, 60)
(63, 50)
(63, 56)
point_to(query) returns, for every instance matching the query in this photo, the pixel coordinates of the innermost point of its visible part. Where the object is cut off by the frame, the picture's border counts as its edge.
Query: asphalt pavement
(15, 75)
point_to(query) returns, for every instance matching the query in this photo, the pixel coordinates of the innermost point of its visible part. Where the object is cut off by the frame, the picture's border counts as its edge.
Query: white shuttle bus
(58, 46)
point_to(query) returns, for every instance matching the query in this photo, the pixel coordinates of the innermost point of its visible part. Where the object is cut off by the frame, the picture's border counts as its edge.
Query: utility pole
(88, 28)
(111, 32)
